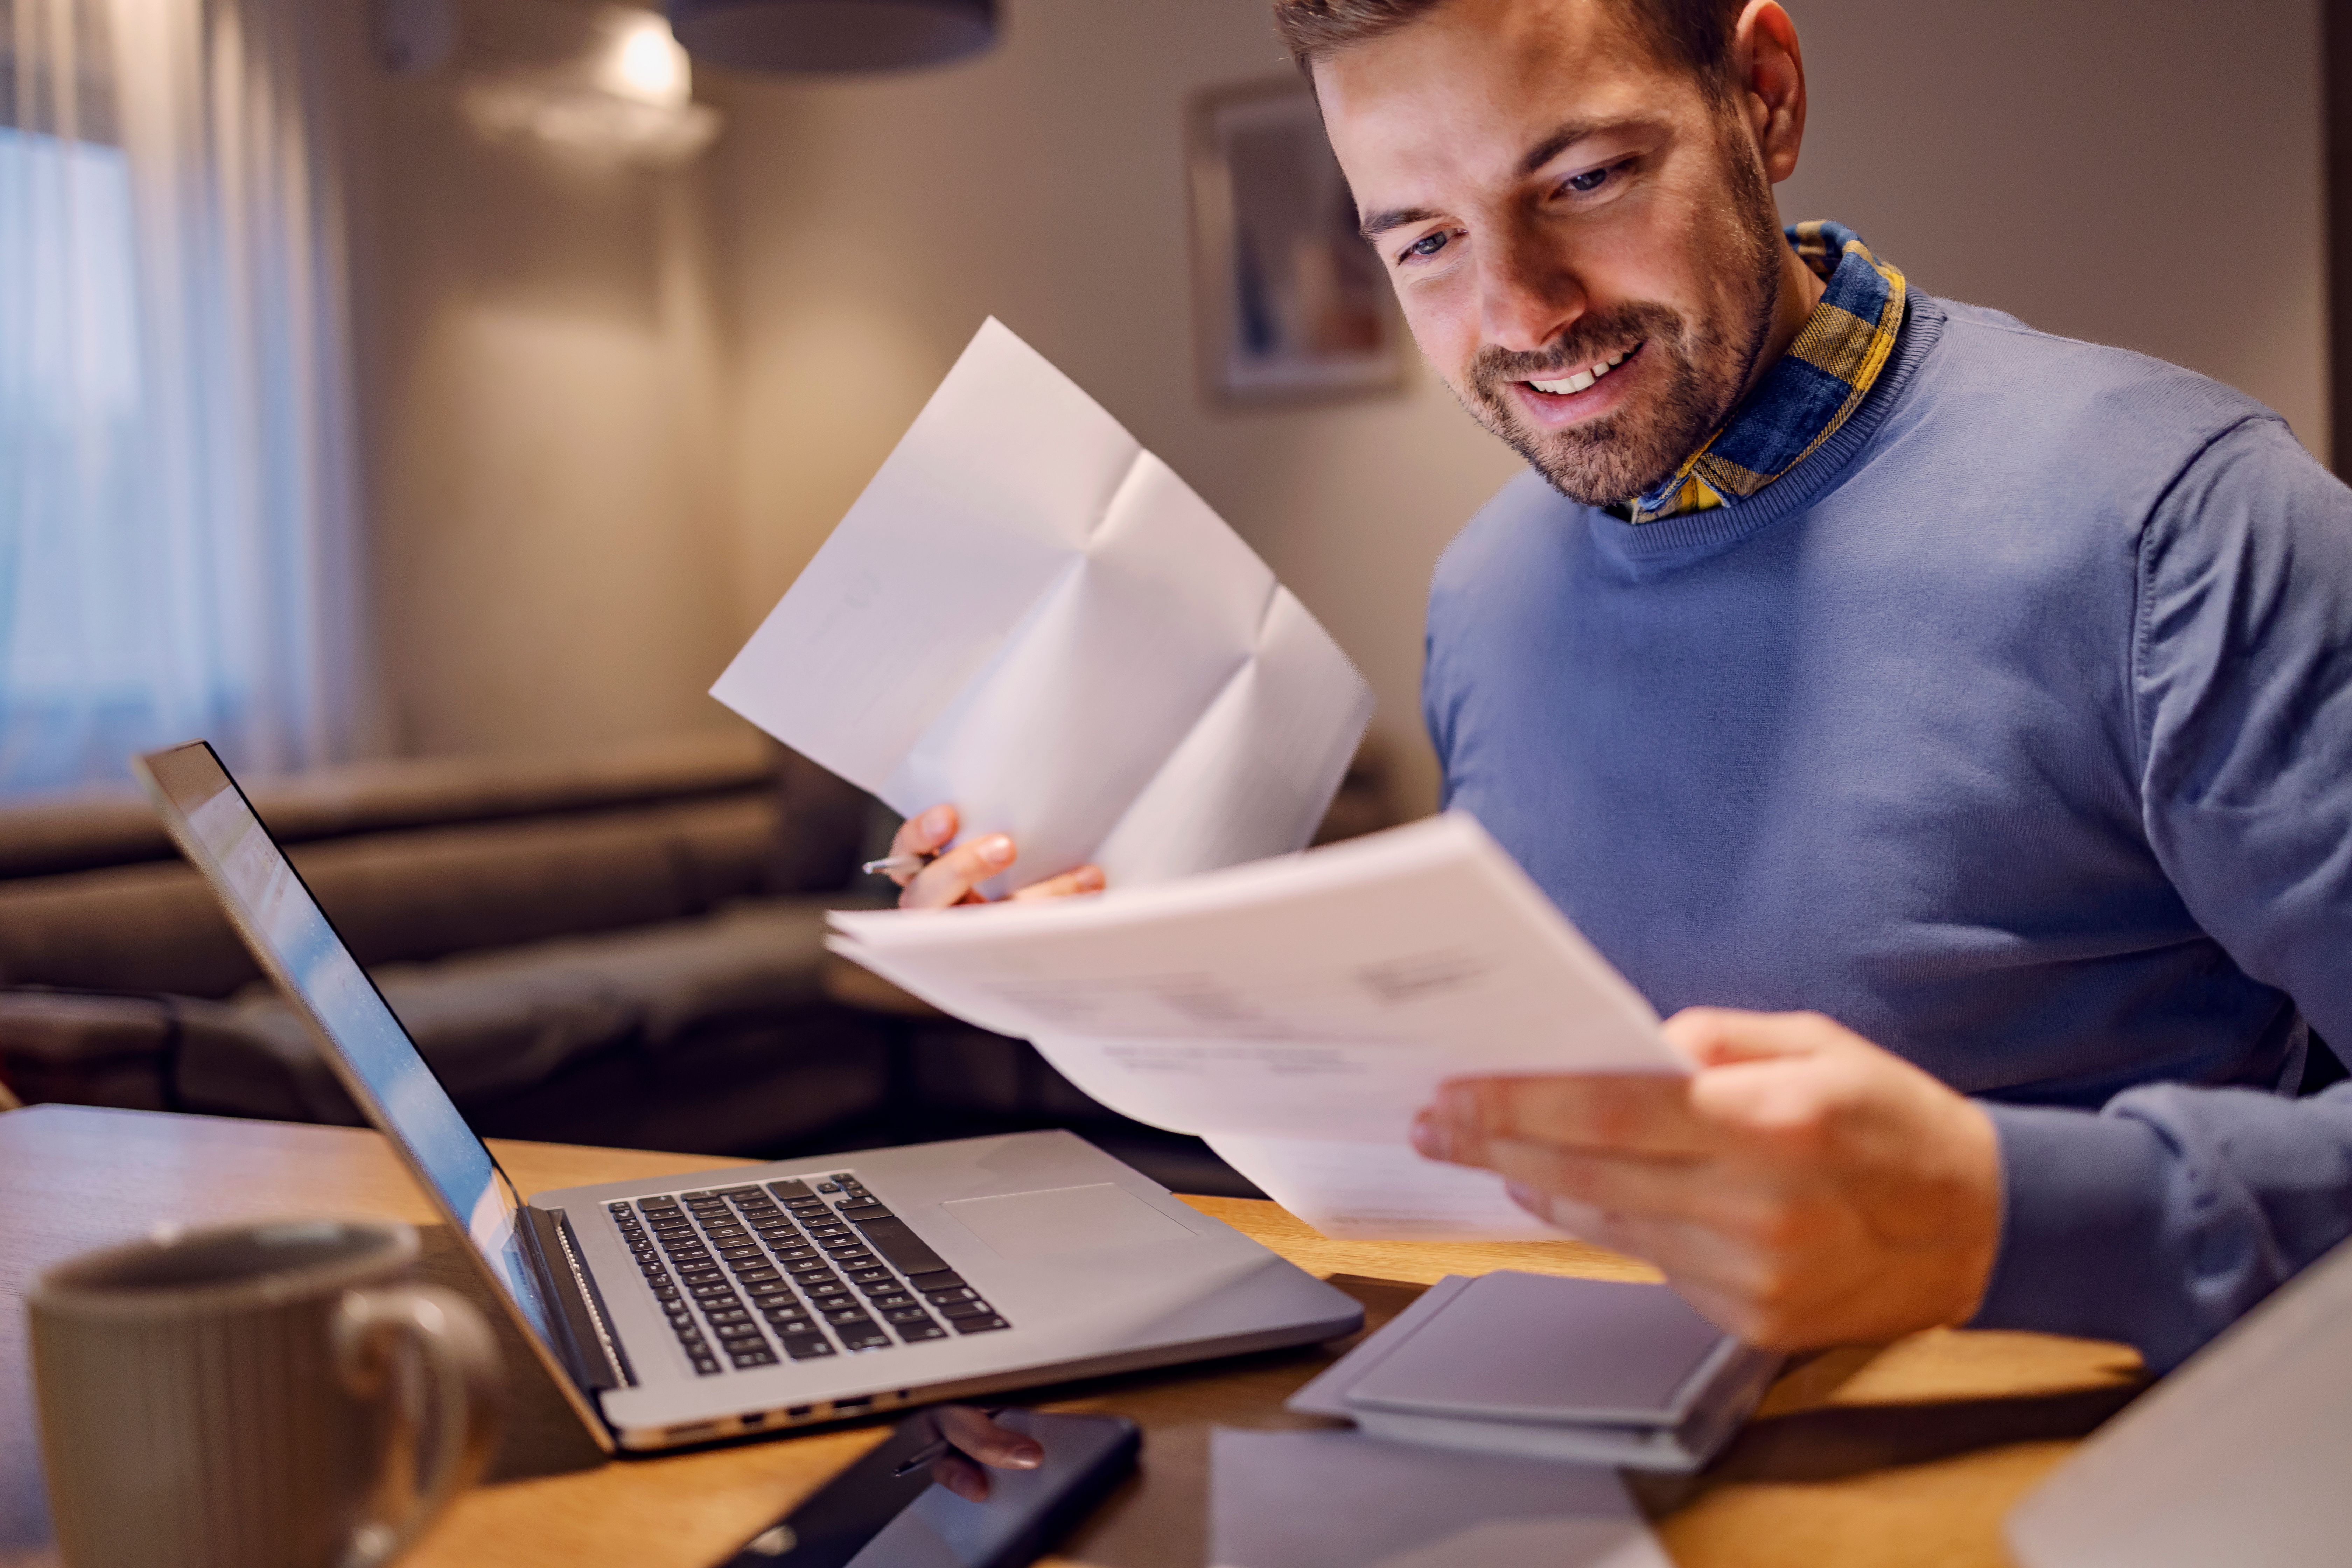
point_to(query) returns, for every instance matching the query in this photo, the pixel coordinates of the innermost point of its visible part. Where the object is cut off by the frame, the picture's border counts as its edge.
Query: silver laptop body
(716, 1303)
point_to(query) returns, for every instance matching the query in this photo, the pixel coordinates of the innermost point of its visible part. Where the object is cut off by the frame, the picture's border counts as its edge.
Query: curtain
(177, 512)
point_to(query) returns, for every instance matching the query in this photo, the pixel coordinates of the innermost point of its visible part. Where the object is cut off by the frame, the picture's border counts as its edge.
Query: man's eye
(1428, 244)
(1591, 180)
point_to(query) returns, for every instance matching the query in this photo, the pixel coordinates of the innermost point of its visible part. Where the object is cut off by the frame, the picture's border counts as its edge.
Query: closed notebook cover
(1539, 1349)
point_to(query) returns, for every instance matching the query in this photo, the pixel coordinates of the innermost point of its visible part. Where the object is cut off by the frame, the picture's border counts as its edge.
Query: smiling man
(1984, 695)
(1849, 650)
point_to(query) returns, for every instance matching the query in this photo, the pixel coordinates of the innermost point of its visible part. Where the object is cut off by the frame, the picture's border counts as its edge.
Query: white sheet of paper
(1029, 616)
(1337, 1499)
(1296, 1012)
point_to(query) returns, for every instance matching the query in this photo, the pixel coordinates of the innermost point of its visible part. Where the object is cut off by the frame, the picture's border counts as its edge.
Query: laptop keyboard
(748, 1275)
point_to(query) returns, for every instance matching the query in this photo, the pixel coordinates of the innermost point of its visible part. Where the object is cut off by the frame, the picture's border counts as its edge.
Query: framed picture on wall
(1290, 304)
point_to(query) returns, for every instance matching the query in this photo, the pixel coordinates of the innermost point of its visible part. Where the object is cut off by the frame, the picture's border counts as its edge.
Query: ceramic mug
(249, 1397)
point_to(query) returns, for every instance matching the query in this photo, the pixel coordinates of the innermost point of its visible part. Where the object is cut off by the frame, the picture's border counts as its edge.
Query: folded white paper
(1296, 1012)
(1336, 1499)
(1030, 617)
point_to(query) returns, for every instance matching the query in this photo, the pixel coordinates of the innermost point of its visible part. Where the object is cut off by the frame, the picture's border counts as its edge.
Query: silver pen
(889, 863)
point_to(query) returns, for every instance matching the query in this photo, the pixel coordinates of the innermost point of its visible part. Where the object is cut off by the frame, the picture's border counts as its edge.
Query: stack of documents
(1030, 618)
(1297, 1012)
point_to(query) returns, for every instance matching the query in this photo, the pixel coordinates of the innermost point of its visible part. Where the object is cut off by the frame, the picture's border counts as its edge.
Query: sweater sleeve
(2173, 1209)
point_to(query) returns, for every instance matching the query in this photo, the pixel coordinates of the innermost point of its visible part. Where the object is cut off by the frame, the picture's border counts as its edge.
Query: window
(175, 490)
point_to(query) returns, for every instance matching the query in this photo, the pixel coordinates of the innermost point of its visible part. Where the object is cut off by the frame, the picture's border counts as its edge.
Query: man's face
(1584, 242)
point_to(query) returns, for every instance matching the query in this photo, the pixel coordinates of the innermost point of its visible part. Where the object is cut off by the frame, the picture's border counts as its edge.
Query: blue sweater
(2013, 729)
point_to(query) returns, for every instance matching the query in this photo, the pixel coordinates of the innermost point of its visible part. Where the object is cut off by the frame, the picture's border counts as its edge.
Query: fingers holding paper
(935, 876)
(1803, 1188)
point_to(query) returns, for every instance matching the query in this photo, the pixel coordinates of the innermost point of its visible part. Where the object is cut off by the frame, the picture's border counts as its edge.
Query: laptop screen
(290, 934)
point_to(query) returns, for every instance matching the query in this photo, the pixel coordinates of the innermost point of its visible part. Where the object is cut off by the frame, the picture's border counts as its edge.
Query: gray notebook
(1535, 1364)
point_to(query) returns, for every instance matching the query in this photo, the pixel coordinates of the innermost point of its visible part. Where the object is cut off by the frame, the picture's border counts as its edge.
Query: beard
(1705, 363)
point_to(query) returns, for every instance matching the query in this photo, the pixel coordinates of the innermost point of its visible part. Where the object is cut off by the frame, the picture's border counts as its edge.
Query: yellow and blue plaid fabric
(1813, 388)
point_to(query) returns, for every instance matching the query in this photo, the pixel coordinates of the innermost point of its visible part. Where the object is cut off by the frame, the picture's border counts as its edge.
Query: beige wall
(604, 449)
(545, 420)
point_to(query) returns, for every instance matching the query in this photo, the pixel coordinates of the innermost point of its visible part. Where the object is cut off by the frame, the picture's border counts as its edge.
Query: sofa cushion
(88, 1050)
(494, 1023)
(114, 824)
(396, 897)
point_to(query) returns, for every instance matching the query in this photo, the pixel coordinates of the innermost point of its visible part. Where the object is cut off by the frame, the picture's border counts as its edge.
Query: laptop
(716, 1303)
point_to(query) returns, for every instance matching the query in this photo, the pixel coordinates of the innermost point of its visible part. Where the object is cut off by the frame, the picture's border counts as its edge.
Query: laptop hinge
(590, 1345)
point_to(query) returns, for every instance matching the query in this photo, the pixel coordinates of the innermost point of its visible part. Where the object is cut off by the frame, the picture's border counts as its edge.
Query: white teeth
(1574, 383)
(1599, 371)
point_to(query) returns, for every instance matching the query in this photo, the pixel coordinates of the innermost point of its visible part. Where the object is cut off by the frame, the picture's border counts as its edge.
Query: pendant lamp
(832, 35)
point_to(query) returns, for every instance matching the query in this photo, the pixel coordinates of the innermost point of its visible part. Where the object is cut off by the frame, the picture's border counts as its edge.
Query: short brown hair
(1693, 35)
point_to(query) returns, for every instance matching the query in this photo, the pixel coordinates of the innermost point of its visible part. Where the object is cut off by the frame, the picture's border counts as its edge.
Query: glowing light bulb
(648, 64)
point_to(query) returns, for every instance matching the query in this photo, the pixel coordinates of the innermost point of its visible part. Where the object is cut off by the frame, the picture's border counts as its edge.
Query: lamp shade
(832, 35)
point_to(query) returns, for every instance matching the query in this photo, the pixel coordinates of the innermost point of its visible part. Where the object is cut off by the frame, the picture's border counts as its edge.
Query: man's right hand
(955, 876)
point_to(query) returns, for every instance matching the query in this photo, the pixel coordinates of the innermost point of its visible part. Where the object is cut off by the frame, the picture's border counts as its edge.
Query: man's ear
(1768, 75)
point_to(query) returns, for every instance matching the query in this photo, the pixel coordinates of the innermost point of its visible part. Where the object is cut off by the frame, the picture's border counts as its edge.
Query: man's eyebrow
(1379, 224)
(1542, 153)
(1568, 136)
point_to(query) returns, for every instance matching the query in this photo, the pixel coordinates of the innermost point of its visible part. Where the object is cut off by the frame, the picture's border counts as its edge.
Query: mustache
(1593, 338)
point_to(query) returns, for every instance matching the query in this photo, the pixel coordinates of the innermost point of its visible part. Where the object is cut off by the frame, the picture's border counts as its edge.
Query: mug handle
(469, 1393)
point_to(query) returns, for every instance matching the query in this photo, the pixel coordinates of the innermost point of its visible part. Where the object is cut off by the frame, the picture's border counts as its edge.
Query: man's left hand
(1801, 1188)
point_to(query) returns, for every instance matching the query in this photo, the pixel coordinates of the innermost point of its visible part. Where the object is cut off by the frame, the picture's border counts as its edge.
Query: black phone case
(834, 1524)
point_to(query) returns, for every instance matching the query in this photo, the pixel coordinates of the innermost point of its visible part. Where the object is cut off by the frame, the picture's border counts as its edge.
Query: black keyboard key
(953, 1293)
(937, 1279)
(829, 1228)
(750, 1278)
(907, 1252)
(888, 1298)
(907, 1315)
(846, 1317)
(966, 1310)
(801, 1347)
(706, 1366)
(728, 1315)
(737, 1192)
(883, 1286)
(867, 1276)
(872, 1339)
(859, 1213)
(730, 1332)
(979, 1325)
(828, 1187)
(925, 1330)
(763, 1356)
(795, 1254)
(719, 1291)
(788, 1191)
(666, 1291)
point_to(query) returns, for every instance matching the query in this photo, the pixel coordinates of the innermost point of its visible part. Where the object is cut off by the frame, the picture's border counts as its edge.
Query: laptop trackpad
(1062, 1220)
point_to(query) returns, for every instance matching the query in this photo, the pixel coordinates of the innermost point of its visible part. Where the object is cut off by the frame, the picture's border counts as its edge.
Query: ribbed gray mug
(243, 1397)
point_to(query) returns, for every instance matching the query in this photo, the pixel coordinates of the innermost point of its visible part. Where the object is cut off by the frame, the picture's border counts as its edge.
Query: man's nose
(1527, 296)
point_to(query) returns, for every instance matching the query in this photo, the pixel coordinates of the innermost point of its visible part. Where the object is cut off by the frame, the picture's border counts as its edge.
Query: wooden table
(1909, 1455)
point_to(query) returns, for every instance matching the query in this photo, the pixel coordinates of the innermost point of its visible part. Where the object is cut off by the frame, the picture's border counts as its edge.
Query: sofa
(623, 947)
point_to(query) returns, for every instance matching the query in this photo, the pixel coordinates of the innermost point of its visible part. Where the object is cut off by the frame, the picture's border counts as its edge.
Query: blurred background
(424, 398)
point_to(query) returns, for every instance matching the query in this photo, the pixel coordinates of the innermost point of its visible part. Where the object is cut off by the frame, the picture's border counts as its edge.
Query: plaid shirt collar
(1807, 393)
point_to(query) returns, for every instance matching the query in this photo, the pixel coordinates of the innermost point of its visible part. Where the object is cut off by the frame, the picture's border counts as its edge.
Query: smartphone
(868, 1517)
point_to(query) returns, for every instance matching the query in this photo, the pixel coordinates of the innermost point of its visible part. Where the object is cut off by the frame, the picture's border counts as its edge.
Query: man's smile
(1556, 401)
